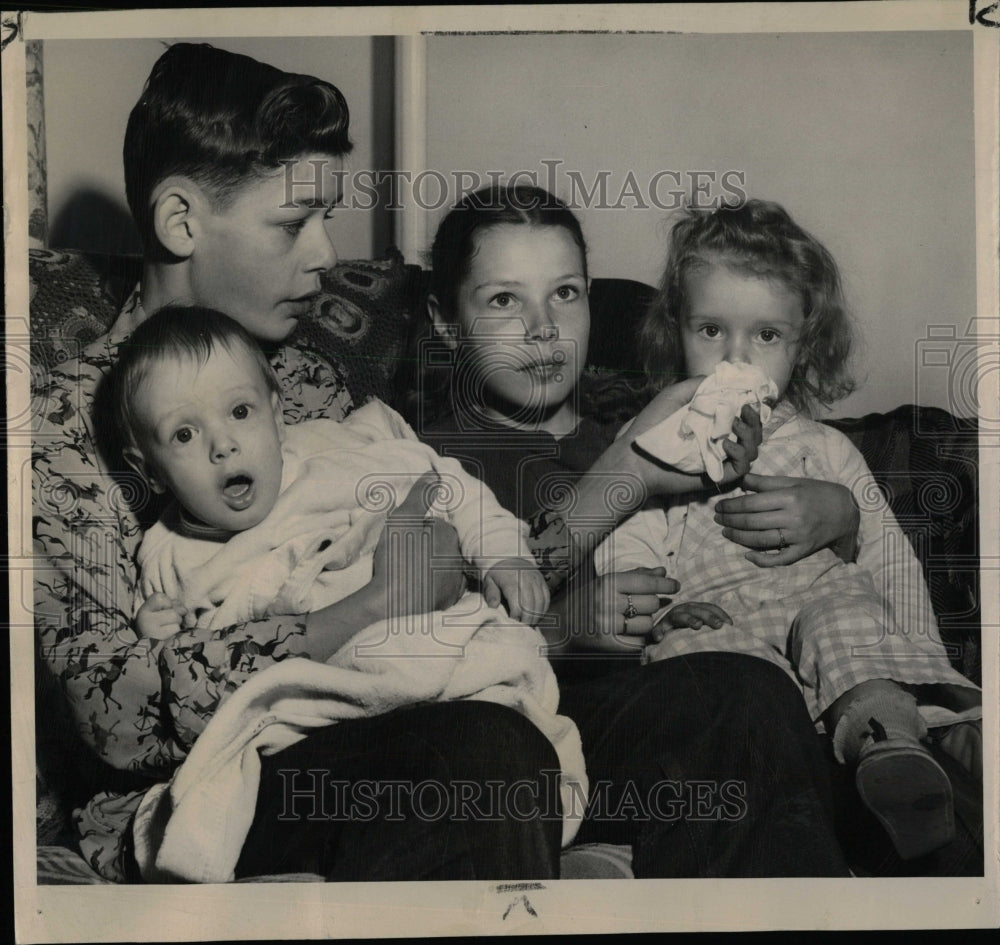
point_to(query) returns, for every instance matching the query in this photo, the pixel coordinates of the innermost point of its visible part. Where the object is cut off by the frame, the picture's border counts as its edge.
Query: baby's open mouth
(237, 488)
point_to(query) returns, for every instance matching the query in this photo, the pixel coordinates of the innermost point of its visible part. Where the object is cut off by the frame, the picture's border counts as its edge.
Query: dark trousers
(708, 765)
(444, 791)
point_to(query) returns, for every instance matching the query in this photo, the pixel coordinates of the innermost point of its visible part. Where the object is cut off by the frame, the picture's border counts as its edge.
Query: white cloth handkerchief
(691, 439)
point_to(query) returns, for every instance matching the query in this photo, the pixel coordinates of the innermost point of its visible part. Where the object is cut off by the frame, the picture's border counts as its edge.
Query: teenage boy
(212, 149)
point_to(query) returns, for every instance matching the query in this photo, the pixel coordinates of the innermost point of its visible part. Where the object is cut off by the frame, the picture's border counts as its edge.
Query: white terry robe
(316, 547)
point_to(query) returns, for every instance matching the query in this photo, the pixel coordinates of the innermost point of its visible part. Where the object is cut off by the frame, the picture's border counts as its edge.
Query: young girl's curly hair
(760, 239)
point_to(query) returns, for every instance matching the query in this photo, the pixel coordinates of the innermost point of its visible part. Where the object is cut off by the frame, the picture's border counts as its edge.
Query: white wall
(90, 88)
(867, 139)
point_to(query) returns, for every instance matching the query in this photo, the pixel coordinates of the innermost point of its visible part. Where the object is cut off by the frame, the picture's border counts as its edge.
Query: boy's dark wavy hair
(223, 119)
(760, 239)
(184, 332)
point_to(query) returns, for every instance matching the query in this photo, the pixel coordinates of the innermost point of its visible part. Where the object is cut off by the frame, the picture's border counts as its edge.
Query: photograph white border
(283, 911)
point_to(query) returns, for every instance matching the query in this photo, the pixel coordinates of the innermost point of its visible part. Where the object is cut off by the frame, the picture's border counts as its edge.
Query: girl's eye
(294, 228)
(184, 435)
(768, 335)
(567, 293)
(710, 331)
(503, 300)
(241, 411)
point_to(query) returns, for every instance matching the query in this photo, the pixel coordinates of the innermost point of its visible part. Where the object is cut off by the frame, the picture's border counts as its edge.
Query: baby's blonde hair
(176, 331)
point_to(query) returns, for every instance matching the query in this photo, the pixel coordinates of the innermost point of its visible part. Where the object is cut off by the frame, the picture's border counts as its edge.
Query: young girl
(508, 302)
(750, 287)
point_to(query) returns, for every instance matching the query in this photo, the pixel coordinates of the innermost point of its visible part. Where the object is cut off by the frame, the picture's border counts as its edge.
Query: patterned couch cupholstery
(924, 460)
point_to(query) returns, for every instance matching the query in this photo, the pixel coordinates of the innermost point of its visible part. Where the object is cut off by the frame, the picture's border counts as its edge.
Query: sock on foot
(894, 712)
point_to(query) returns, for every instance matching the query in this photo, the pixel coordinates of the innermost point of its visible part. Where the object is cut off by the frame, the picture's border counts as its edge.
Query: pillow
(616, 309)
(612, 397)
(360, 322)
(74, 298)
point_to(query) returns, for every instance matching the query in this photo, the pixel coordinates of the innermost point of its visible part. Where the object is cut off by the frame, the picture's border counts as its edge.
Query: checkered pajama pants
(829, 636)
(823, 621)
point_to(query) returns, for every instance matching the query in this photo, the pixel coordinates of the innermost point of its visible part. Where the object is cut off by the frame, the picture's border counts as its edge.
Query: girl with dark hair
(508, 301)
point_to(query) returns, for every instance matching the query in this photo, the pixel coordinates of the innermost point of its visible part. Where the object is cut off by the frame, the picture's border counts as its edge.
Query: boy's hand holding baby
(429, 533)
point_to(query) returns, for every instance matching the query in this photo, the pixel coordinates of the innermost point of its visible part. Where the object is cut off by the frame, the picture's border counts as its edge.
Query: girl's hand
(749, 435)
(595, 616)
(667, 402)
(159, 617)
(623, 476)
(521, 586)
(789, 518)
(693, 614)
(741, 453)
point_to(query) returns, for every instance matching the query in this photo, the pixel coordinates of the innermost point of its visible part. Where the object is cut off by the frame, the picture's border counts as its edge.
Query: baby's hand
(522, 587)
(693, 614)
(159, 617)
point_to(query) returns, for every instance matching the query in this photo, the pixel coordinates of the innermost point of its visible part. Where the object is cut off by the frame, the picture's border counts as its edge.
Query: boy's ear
(178, 203)
(135, 459)
(444, 329)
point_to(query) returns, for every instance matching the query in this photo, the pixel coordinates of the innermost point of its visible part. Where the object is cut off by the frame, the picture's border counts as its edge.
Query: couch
(369, 312)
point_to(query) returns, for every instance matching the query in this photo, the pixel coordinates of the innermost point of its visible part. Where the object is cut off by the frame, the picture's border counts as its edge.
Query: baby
(269, 518)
